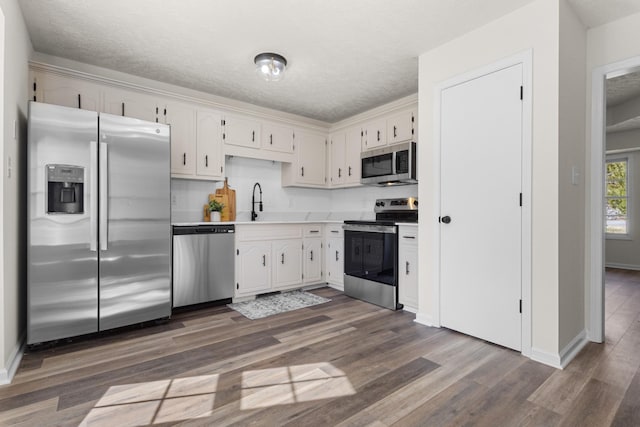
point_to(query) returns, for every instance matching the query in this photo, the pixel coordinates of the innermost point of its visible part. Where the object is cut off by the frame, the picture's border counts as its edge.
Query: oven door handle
(369, 228)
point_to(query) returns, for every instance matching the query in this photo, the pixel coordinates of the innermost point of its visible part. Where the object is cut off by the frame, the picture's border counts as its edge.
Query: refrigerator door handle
(104, 197)
(93, 214)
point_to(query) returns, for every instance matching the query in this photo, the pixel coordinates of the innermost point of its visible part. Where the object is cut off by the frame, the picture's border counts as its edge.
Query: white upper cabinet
(66, 91)
(132, 104)
(182, 118)
(345, 149)
(337, 146)
(400, 127)
(277, 138)
(375, 134)
(309, 166)
(241, 131)
(209, 156)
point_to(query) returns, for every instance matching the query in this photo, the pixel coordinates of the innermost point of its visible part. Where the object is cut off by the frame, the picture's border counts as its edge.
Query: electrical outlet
(174, 200)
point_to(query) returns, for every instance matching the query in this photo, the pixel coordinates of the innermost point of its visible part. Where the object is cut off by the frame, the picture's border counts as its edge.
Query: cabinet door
(312, 260)
(67, 91)
(375, 134)
(335, 262)
(241, 131)
(338, 150)
(311, 158)
(253, 268)
(287, 263)
(277, 138)
(400, 127)
(182, 118)
(353, 148)
(209, 157)
(131, 104)
(408, 270)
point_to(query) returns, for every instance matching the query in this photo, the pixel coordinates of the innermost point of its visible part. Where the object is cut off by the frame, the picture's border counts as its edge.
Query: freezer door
(62, 262)
(135, 221)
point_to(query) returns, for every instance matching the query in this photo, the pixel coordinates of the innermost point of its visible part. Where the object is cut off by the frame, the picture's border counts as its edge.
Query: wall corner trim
(7, 372)
(546, 358)
(571, 350)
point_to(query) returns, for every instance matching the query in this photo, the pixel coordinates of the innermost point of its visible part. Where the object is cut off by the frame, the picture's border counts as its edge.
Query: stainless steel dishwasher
(203, 263)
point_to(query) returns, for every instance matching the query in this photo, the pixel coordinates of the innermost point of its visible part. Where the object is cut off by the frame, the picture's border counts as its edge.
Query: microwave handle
(394, 170)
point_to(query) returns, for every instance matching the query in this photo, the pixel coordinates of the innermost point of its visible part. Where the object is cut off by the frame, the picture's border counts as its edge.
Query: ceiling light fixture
(270, 66)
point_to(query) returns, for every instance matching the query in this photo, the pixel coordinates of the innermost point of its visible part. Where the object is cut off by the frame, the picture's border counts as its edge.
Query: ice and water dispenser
(65, 188)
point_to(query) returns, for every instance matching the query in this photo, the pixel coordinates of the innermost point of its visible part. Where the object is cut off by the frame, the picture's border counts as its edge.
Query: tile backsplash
(189, 196)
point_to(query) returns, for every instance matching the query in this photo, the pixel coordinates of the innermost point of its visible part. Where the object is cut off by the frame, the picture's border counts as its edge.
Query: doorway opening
(615, 219)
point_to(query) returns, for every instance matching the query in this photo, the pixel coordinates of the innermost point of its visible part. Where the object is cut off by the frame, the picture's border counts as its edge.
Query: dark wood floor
(342, 363)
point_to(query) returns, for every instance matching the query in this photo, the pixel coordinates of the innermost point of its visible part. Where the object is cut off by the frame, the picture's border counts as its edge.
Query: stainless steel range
(371, 252)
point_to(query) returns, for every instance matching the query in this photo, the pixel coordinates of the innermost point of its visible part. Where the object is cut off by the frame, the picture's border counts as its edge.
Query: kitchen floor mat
(278, 303)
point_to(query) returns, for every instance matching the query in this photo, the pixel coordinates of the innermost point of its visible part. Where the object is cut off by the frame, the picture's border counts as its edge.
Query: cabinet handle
(339, 173)
(349, 170)
(253, 136)
(79, 101)
(184, 159)
(123, 109)
(408, 237)
(394, 132)
(271, 139)
(220, 169)
(378, 135)
(282, 258)
(407, 268)
(337, 259)
(206, 161)
(335, 231)
(314, 231)
(302, 170)
(311, 255)
(264, 260)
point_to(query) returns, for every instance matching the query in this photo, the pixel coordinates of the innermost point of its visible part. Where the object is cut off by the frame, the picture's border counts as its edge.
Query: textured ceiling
(345, 56)
(620, 90)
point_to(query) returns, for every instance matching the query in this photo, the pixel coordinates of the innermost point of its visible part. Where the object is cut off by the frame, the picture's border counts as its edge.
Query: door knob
(446, 219)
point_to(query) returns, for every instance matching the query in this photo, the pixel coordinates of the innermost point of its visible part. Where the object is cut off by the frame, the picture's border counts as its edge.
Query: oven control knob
(382, 204)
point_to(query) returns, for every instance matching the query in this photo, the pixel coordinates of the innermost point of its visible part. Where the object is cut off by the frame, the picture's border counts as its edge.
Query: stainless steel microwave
(393, 165)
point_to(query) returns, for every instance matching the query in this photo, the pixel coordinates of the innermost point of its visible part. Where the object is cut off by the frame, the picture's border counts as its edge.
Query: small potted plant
(215, 207)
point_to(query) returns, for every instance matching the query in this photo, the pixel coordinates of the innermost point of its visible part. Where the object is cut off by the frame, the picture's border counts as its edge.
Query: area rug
(277, 303)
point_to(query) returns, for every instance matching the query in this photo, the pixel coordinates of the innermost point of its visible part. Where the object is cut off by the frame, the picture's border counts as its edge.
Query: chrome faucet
(254, 215)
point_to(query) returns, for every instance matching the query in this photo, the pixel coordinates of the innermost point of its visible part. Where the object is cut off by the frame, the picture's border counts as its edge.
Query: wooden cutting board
(227, 196)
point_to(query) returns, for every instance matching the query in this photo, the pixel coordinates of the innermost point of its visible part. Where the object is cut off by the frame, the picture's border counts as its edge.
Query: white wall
(280, 203)
(17, 50)
(572, 122)
(535, 27)
(626, 253)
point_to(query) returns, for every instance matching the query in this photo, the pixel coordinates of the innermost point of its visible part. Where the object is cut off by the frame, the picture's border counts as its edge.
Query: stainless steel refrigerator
(99, 229)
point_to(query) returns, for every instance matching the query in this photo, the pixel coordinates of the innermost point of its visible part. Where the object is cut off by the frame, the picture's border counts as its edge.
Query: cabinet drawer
(312, 230)
(334, 230)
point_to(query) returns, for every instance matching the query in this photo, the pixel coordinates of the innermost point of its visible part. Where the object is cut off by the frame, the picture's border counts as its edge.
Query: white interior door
(481, 218)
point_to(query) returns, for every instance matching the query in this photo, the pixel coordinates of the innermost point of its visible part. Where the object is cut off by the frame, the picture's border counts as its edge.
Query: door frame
(526, 59)
(594, 297)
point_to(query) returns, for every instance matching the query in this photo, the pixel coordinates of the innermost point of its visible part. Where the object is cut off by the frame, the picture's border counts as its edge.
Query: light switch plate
(575, 175)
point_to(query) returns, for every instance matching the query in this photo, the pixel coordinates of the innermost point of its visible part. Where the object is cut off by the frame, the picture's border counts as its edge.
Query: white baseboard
(7, 372)
(566, 355)
(622, 266)
(572, 349)
(425, 319)
(334, 286)
(546, 358)
(410, 309)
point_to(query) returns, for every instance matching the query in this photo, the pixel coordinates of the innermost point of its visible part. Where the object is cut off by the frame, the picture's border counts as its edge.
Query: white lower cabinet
(253, 268)
(334, 256)
(277, 257)
(312, 245)
(287, 263)
(408, 267)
